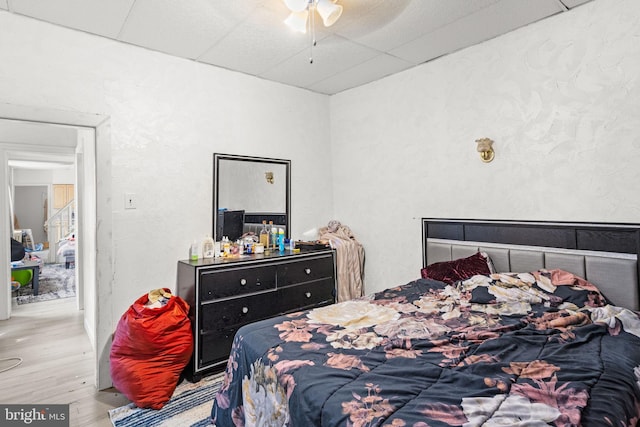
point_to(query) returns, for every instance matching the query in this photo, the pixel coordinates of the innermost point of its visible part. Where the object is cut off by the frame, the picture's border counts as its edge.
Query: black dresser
(227, 293)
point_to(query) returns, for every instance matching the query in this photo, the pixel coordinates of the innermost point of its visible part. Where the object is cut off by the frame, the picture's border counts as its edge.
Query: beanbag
(151, 346)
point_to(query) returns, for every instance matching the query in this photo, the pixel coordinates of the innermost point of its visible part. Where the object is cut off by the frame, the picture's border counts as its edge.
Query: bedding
(458, 269)
(537, 348)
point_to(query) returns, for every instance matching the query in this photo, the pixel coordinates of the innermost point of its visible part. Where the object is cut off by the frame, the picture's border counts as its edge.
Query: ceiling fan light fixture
(297, 21)
(328, 11)
(302, 17)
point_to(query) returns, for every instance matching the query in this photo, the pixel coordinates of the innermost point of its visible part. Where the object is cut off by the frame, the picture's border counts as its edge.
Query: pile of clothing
(349, 259)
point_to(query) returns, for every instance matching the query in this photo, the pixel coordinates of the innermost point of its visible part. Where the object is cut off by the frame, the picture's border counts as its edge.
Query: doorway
(88, 129)
(44, 221)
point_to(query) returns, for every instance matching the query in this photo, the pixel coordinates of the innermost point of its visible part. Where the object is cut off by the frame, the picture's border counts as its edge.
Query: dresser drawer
(237, 311)
(305, 270)
(216, 346)
(237, 281)
(306, 295)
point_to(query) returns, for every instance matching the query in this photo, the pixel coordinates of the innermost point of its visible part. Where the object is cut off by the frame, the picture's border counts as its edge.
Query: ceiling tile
(500, 18)
(180, 28)
(374, 69)
(257, 44)
(331, 55)
(100, 17)
(380, 28)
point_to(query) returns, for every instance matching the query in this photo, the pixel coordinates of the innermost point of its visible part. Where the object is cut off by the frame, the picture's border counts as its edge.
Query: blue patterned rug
(190, 406)
(55, 282)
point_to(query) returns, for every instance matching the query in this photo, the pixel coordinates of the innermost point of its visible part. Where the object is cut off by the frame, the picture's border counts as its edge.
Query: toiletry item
(193, 251)
(281, 240)
(292, 244)
(264, 234)
(249, 243)
(258, 248)
(226, 246)
(217, 251)
(207, 247)
(273, 236)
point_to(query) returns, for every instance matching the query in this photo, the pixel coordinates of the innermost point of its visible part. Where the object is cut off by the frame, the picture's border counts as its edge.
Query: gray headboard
(604, 254)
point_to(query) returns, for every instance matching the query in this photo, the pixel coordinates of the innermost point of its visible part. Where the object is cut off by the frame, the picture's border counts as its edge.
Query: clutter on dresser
(208, 248)
(194, 254)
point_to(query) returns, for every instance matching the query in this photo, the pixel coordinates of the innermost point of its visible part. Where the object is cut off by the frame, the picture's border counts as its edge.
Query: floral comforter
(540, 348)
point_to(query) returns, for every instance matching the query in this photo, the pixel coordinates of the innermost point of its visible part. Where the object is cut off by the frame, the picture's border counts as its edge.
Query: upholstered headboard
(604, 254)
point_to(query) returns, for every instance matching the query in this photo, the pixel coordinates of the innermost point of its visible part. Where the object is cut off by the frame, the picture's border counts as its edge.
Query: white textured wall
(561, 99)
(167, 117)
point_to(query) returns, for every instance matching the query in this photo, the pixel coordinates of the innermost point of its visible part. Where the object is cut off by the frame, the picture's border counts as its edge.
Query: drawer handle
(245, 310)
(243, 282)
(307, 294)
(307, 270)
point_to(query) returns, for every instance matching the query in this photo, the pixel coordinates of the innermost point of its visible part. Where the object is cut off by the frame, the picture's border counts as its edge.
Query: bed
(509, 323)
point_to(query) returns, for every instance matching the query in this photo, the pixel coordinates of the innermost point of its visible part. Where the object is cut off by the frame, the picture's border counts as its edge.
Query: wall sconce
(269, 177)
(485, 149)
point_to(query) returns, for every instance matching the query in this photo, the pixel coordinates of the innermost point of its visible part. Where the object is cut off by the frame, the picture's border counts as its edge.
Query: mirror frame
(217, 157)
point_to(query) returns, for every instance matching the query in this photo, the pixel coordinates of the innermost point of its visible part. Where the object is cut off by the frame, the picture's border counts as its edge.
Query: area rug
(190, 406)
(55, 282)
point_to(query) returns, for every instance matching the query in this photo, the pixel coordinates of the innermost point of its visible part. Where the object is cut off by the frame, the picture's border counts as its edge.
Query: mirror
(258, 186)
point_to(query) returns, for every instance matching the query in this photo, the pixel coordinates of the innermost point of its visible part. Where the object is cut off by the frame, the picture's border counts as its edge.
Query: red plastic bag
(151, 347)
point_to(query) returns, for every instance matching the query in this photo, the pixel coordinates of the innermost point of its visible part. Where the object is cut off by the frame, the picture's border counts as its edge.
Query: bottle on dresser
(226, 246)
(264, 234)
(193, 251)
(207, 247)
(281, 246)
(273, 238)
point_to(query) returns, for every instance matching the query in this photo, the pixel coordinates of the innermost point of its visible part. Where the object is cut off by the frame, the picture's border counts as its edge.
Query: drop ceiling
(372, 39)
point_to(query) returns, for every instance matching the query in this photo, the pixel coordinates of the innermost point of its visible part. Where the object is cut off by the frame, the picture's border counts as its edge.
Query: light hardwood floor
(58, 362)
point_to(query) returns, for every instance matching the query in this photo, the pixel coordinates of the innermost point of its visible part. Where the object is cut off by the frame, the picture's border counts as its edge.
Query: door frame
(94, 158)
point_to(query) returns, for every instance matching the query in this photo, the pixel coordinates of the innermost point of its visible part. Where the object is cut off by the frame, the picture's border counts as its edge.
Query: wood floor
(58, 362)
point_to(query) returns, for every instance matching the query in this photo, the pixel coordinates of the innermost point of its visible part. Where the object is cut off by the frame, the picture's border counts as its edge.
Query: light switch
(130, 201)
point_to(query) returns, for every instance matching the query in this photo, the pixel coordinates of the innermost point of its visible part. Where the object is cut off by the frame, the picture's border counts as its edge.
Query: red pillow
(458, 269)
